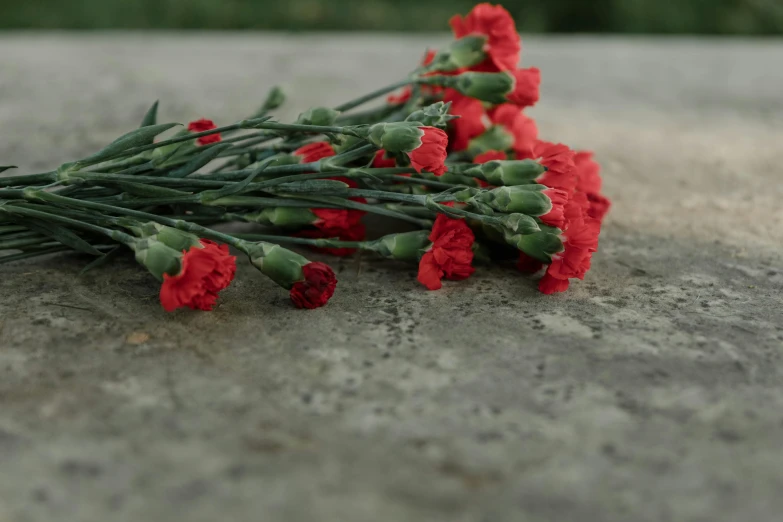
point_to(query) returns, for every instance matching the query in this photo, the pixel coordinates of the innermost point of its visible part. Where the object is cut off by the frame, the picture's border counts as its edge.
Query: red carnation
(522, 128)
(314, 151)
(203, 125)
(550, 285)
(599, 206)
(337, 218)
(381, 161)
(204, 272)
(430, 156)
(472, 120)
(588, 176)
(588, 172)
(580, 239)
(317, 288)
(450, 255)
(556, 216)
(559, 160)
(526, 87)
(503, 43)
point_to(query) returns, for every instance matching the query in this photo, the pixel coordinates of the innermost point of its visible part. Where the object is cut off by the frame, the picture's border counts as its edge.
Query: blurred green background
(750, 17)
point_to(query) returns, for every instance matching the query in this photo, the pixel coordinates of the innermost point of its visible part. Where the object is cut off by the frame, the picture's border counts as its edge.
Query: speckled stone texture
(652, 391)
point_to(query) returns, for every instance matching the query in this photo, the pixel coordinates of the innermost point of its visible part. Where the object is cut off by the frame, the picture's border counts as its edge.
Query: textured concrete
(653, 391)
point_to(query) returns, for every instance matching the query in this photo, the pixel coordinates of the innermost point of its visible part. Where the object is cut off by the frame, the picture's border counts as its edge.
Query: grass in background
(562, 16)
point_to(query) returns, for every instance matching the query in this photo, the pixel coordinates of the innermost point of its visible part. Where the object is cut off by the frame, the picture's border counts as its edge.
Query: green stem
(347, 106)
(28, 179)
(11, 244)
(116, 235)
(372, 209)
(48, 249)
(351, 155)
(258, 123)
(175, 223)
(320, 242)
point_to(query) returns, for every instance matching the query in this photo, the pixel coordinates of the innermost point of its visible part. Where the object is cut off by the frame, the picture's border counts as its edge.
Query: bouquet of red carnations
(450, 151)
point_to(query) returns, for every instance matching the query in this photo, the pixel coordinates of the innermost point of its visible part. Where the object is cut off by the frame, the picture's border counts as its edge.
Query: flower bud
(393, 137)
(541, 245)
(507, 173)
(519, 223)
(311, 284)
(157, 257)
(494, 138)
(293, 217)
(172, 237)
(488, 87)
(406, 246)
(464, 52)
(435, 115)
(525, 199)
(274, 99)
(280, 160)
(281, 265)
(322, 116)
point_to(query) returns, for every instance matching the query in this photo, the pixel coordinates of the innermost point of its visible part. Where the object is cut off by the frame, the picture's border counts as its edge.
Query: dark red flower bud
(317, 288)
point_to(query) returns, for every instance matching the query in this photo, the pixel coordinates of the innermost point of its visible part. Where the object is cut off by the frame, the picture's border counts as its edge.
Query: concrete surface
(653, 391)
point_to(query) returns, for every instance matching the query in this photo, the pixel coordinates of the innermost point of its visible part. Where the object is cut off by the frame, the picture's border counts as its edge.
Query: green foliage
(620, 16)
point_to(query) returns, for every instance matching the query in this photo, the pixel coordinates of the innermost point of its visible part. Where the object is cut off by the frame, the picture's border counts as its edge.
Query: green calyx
(157, 257)
(494, 138)
(393, 137)
(281, 265)
(488, 87)
(508, 172)
(407, 246)
(524, 199)
(462, 53)
(274, 99)
(173, 238)
(287, 217)
(541, 245)
(321, 116)
(435, 115)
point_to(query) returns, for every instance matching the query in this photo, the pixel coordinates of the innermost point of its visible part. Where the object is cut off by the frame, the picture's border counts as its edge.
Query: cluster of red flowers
(579, 211)
(573, 177)
(472, 160)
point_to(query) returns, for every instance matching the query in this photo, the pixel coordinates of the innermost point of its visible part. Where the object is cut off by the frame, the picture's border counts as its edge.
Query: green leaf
(199, 161)
(135, 138)
(102, 260)
(3, 168)
(274, 99)
(236, 188)
(151, 118)
(63, 235)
